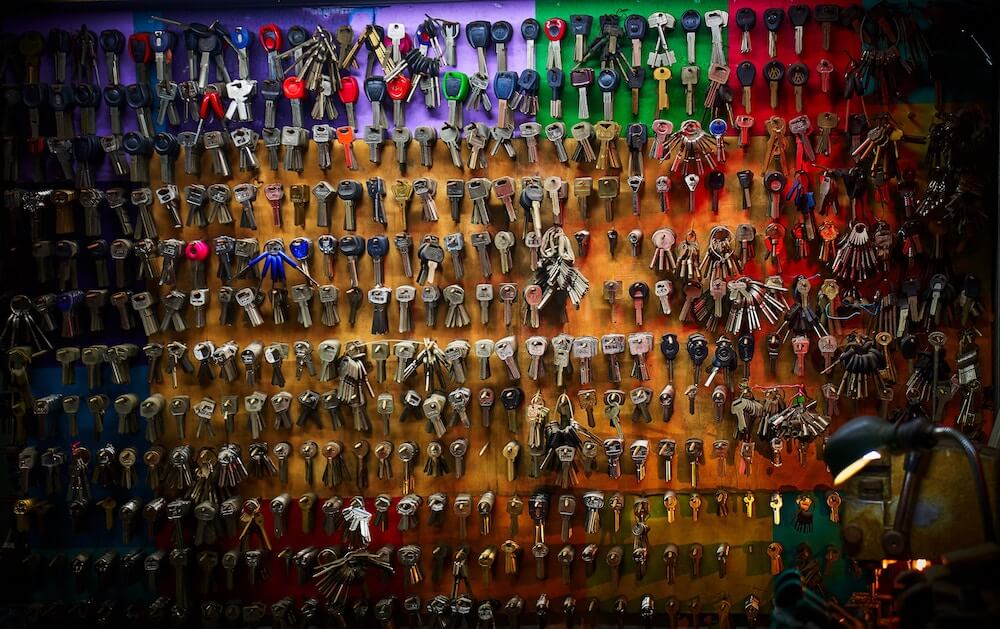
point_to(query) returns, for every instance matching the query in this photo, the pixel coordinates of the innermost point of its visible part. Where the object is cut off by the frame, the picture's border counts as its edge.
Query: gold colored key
(662, 75)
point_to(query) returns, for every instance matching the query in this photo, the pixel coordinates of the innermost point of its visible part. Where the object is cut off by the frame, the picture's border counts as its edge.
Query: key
(936, 340)
(662, 75)
(349, 191)
(431, 254)
(773, 19)
(478, 34)
(774, 71)
(826, 15)
(456, 90)
(582, 79)
(639, 292)
(694, 450)
(718, 76)
(774, 551)
(504, 87)
(501, 32)
(449, 135)
(696, 552)
(458, 449)
(379, 298)
(426, 138)
(426, 189)
(608, 81)
(746, 19)
(398, 88)
(112, 42)
(612, 288)
(690, 22)
(798, 76)
(581, 26)
(798, 15)
(746, 73)
(776, 503)
(607, 189)
(166, 94)
(555, 29)
(481, 242)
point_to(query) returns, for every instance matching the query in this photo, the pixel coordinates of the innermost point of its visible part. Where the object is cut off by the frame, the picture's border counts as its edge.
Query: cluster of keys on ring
(447, 352)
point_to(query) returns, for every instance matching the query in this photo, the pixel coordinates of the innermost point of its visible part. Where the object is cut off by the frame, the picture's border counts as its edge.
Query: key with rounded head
(477, 33)
(746, 19)
(690, 22)
(353, 247)
(746, 73)
(378, 248)
(774, 71)
(773, 19)
(798, 76)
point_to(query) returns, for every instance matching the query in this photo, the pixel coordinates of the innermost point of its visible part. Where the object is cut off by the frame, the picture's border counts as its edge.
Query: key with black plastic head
(114, 99)
(745, 346)
(87, 97)
(511, 398)
(798, 76)
(826, 15)
(112, 42)
(669, 347)
(635, 78)
(746, 72)
(635, 28)
(352, 247)
(690, 22)
(355, 297)
(378, 248)
(798, 16)
(375, 91)
(62, 101)
(166, 146)
(746, 19)
(350, 191)
(774, 71)
(697, 349)
(139, 99)
(773, 19)
(715, 181)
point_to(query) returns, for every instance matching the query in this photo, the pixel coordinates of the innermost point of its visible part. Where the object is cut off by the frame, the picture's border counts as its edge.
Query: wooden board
(748, 567)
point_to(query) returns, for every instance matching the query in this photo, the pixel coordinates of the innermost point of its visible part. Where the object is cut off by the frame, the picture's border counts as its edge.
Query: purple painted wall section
(332, 17)
(96, 21)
